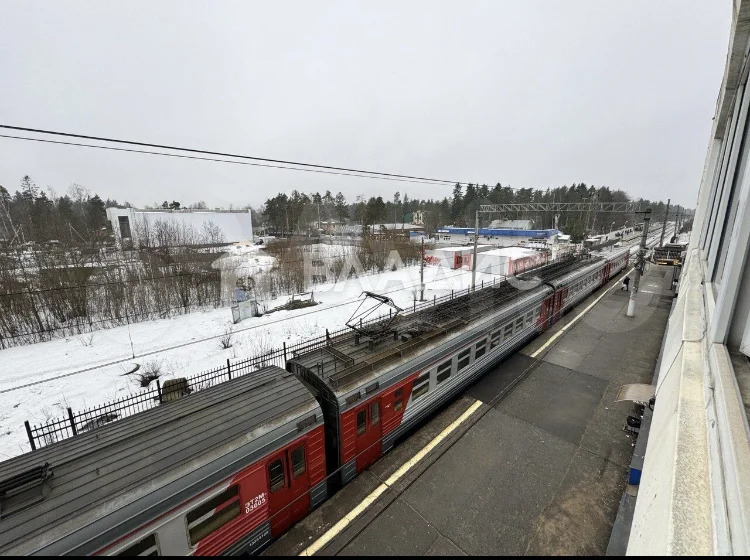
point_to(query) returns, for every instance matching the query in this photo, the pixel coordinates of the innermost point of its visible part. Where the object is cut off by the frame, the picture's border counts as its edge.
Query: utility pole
(639, 265)
(421, 272)
(474, 257)
(664, 226)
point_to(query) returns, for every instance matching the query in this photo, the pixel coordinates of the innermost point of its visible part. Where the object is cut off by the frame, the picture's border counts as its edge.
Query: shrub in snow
(226, 340)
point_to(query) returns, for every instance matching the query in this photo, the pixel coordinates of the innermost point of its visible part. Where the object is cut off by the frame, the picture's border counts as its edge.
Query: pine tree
(341, 209)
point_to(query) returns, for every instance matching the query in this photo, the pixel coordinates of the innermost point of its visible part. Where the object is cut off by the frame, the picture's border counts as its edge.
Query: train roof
(346, 364)
(595, 263)
(125, 460)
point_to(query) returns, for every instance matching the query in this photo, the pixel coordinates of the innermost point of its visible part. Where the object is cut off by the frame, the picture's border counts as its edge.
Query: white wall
(694, 494)
(234, 226)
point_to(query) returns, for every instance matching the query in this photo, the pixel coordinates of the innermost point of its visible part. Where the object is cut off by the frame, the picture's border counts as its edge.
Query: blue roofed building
(500, 237)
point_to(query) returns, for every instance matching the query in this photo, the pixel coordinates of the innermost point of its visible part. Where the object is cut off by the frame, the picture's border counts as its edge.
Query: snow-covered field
(39, 381)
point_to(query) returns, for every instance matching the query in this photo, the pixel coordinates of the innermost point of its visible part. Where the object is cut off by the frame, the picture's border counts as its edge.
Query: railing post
(72, 422)
(28, 433)
(158, 389)
(229, 370)
(434, 300)
(451, 294)
(284, 343)
(414, 307)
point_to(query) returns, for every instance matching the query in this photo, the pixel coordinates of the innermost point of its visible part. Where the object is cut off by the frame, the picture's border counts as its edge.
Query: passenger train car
(229, 468)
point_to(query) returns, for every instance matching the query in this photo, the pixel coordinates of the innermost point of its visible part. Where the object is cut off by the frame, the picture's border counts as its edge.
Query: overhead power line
(183, 156)
(267, 162)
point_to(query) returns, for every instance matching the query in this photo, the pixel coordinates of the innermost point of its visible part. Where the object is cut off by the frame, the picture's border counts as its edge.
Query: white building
(452, 257)
(135, 227)
(509, 260)
(694, 493)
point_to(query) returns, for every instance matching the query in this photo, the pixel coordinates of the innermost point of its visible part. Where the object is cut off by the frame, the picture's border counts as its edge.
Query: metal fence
(89, 419)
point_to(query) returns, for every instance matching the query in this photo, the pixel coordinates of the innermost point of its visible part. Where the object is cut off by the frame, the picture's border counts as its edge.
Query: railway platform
(532, 459)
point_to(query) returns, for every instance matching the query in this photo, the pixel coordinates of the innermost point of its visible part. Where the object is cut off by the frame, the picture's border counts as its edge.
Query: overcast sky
(531, 93)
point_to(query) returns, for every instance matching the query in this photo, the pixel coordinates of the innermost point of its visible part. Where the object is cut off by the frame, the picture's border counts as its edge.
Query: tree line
(30, 215)
(299, 212)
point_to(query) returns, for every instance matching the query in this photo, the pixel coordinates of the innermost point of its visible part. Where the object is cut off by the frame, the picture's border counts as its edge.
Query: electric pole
(664, 226)
(640, 264)
(421, 273)
(474, 257)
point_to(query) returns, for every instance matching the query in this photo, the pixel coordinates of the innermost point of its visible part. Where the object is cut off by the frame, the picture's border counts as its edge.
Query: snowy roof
(376, 227)
(512, 252)
(502, 232)
(458, 248)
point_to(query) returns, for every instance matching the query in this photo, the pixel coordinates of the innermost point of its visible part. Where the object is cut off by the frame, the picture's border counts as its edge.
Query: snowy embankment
(40, 381)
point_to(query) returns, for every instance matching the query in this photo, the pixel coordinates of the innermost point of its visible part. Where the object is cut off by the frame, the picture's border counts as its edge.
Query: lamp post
(640, 264)
(613, 225)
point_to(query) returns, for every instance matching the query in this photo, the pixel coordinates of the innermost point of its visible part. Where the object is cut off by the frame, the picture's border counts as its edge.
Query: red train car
(219, 472)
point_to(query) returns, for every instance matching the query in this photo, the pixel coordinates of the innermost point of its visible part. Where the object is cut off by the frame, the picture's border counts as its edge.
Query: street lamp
(613, 225)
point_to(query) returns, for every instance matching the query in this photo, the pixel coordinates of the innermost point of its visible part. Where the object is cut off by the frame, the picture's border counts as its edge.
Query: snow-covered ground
(39, 381)
(244, 258)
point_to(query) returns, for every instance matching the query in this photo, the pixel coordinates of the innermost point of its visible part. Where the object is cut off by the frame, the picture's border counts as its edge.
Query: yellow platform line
(588, 308)
(393, 479)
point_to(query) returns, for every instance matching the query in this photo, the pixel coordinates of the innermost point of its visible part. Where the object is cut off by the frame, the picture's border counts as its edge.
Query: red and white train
(227, 469)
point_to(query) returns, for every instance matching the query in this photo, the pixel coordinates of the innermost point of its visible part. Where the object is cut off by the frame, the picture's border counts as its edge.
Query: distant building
(135, 227)
(496, 236)
(406, 231)
(509, 261)
(452, 257)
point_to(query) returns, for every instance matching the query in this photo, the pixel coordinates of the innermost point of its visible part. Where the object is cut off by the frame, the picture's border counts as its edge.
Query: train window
(481, 348)
(419, 391)
(421, 386)
(508, 331)
(444, 371)
(398, 400)
(276, 475)
(298, 461)
(374, 413)
(463, 359)
(207, 517)
(519, 323)
(496, 338)
(361, 421)
(530, 317)
(144, 547)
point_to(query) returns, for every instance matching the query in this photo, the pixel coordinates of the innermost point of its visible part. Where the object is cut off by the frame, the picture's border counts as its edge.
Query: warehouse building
(135, 227)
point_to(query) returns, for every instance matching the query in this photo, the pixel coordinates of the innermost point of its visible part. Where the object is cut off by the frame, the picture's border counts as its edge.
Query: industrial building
(499, 237)
(135, 227)
(510, 260)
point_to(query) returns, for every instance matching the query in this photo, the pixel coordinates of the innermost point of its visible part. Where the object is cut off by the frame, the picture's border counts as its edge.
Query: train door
(369, 433)
(544, 313)
(557, 303)
(288, 485)
(606, 273)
